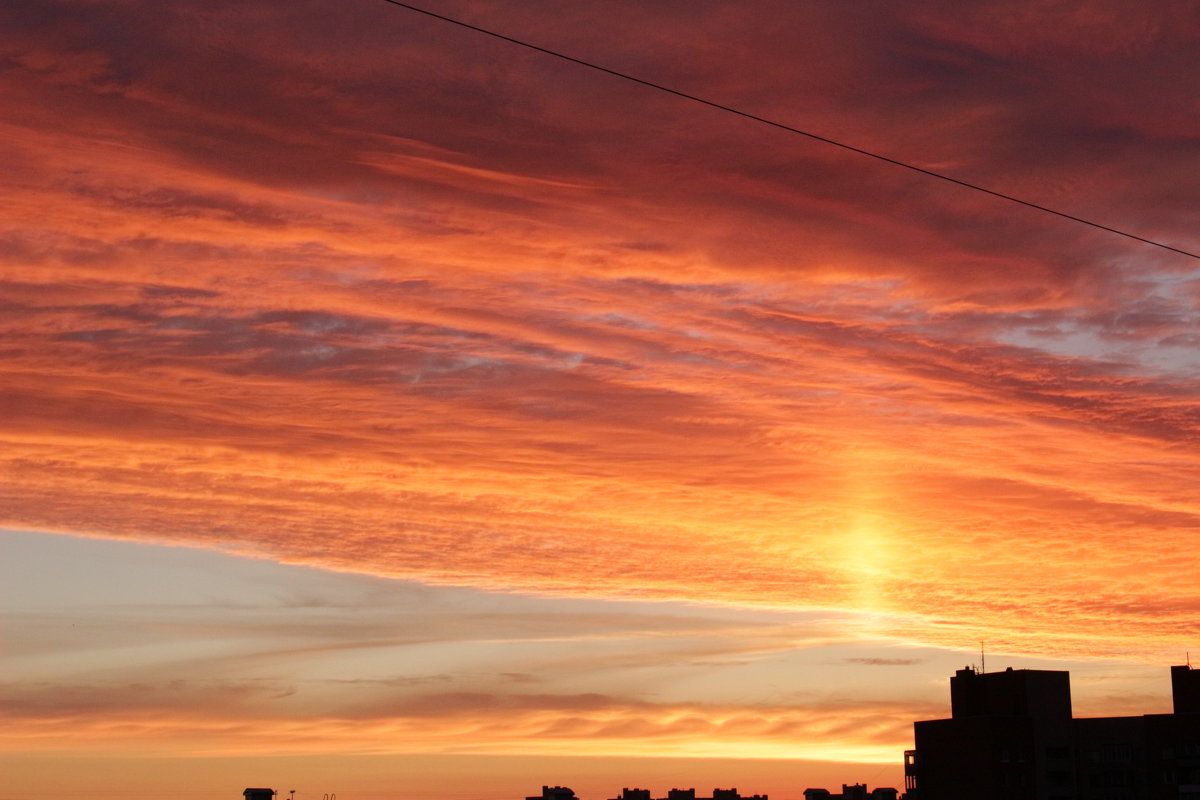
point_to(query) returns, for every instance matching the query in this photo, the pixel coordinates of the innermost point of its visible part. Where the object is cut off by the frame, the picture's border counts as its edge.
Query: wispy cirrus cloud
(486, 724)
(407, 310)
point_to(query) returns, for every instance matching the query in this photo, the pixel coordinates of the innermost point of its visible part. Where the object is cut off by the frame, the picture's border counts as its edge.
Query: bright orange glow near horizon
(347, 290)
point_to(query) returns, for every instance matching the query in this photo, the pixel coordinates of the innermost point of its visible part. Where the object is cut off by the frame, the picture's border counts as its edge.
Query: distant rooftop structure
(554, 793)
(258, 794)
(677, 794)
(634, 794)
(857, 791)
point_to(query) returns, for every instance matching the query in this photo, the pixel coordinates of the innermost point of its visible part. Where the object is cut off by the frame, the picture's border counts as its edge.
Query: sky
(396, 412)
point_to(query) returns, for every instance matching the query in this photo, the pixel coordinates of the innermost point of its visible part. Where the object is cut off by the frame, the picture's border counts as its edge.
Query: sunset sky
(393, 411)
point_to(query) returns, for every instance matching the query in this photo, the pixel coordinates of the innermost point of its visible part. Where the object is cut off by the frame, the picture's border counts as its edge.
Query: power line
(788, 128)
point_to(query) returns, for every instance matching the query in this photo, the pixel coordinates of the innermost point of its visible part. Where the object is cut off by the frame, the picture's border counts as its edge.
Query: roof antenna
(982, 660)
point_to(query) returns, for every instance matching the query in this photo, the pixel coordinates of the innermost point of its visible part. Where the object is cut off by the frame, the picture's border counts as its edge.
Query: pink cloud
(368, 293)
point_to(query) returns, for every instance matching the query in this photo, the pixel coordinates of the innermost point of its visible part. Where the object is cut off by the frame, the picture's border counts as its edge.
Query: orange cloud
(484, 724)
(382, 308)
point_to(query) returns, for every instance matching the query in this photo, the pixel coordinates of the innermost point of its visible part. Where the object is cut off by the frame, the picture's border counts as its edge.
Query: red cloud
(370, 294)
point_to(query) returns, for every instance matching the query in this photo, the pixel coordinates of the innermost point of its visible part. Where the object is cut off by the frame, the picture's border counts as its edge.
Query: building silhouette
(1011, 736)
(554, 793)
(857, 791)
(680, 794)
(633, 794)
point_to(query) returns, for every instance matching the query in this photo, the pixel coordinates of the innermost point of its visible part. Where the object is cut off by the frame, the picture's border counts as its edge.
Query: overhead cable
(784, 127)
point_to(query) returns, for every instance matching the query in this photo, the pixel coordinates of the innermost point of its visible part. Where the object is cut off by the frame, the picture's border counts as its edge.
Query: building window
(1117, 753)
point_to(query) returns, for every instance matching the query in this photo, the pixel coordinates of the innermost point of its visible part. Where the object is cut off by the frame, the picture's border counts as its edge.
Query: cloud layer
(362, 291)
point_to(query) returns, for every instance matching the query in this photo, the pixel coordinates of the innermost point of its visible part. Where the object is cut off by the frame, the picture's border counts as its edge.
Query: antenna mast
(982, 660)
